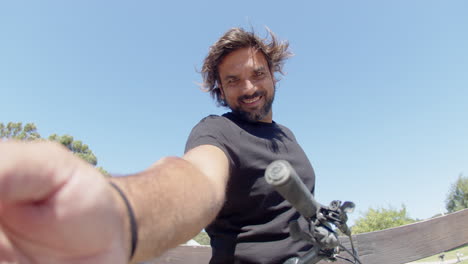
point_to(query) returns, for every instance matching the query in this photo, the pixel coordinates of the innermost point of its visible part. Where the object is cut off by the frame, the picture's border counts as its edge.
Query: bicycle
(326, 245)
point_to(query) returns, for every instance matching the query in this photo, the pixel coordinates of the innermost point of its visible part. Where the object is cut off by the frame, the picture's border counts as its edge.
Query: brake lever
(336, 213)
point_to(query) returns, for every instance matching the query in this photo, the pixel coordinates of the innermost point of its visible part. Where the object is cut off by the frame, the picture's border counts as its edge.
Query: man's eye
(258, 74)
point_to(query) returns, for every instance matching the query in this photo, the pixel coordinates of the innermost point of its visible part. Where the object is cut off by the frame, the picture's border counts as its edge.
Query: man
(252, 226)
(55, 208)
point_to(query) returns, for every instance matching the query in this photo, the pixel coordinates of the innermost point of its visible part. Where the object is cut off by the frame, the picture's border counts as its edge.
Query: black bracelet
(131, 216)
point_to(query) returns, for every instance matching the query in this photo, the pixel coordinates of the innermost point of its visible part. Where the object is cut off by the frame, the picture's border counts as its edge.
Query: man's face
(247, 85)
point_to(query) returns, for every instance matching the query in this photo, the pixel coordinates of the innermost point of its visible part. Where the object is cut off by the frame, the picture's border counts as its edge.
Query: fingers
(53, 205)
(29, 170)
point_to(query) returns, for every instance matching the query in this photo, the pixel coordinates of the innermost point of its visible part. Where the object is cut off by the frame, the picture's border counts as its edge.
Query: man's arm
(176, 198)
(56, 208)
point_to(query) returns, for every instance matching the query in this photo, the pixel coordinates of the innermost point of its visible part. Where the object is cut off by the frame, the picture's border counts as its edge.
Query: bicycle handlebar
(285, 180)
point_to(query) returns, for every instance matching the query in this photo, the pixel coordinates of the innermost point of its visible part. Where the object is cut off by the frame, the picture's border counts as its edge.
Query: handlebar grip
(282, 176)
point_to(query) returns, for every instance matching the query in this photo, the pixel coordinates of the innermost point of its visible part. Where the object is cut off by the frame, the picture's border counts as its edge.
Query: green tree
(29, 132)
(80, 149)
(379, 219)
(18, 131)
(202, 238)
(457, 198)
(76, 146)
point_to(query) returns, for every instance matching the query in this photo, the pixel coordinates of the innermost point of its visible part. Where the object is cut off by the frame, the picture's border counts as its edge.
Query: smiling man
(252, 225)
(247, 84)
(56, 208)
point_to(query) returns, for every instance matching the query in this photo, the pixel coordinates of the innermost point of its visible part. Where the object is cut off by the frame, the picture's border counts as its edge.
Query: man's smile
(251, 101)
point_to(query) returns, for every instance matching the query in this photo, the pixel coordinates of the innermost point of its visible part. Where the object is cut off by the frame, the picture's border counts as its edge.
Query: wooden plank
(391, 246)
(184, 255)
(412, 242)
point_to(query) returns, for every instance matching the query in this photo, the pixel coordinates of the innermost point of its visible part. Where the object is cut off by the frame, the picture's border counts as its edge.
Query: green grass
(448, 255)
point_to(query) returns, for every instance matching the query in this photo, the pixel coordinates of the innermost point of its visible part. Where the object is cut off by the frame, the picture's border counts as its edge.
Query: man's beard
(255, 115)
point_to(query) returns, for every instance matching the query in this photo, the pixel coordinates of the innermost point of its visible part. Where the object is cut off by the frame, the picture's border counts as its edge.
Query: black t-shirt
(252, 226)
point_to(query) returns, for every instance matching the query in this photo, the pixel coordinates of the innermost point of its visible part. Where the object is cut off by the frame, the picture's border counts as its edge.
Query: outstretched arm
(56, 208)
(176, 198)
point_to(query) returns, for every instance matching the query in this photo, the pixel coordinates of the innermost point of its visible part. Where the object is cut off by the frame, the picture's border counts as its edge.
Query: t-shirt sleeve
(211, 131)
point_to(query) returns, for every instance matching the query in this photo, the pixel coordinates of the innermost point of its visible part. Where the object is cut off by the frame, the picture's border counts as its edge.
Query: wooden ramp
(184, 255)
(391, 246)
(412, 242)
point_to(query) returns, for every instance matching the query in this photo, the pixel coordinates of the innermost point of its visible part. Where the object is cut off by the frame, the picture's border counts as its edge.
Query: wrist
(130, 224)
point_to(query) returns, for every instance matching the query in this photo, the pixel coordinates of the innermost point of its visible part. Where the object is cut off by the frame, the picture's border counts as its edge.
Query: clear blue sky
(377, 93)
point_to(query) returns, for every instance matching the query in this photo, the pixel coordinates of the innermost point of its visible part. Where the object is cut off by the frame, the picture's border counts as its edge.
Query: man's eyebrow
(231, 76)
(260, 68)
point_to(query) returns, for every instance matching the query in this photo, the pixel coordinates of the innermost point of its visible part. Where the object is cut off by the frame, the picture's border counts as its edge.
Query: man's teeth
(249, 101)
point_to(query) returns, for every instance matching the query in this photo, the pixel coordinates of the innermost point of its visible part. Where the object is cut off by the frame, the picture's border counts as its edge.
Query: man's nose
(249, 85)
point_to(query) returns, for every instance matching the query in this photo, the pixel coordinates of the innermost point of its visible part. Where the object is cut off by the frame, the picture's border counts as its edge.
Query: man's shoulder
(214, 124)
(211, 130)
(213, 119)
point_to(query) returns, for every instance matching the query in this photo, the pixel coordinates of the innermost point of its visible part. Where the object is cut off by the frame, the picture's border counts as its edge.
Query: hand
(56, 208)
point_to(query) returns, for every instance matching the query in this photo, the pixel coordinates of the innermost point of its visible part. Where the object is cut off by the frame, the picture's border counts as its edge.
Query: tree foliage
(76, 146)
(379, 219)
(457, 198)
(29, 132)
(18, 131)
(202, 238)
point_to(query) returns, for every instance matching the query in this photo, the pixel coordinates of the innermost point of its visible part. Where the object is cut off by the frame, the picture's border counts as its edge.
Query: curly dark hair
(275, 52)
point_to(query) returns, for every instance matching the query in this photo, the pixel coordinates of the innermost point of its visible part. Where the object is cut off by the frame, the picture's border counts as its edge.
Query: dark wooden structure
(391, 246)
